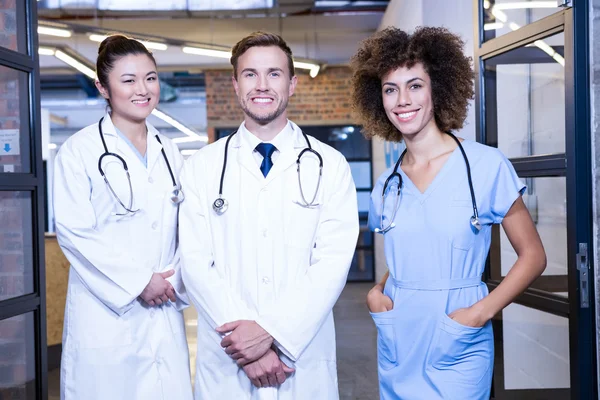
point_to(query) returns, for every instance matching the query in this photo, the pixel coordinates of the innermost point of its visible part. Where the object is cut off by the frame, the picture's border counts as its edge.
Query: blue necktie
(266, 150)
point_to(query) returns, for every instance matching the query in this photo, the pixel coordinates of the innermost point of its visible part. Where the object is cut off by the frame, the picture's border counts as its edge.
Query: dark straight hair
(112, 49)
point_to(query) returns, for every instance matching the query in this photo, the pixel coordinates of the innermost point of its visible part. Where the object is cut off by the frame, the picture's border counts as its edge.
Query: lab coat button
(150, 180)
(152, 314)
(265, 233)
(154, 225)
(265, 280)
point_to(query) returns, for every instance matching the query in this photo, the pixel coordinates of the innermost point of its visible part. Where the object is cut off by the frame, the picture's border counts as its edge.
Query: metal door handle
(584, 275)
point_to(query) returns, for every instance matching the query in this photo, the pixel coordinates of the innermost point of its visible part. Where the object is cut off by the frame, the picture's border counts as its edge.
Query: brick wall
(8, 24)
(324, 100)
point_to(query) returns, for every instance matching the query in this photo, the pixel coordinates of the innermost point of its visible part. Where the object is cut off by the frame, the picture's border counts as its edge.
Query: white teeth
(141, 101)
(407, 115)
(259, 100)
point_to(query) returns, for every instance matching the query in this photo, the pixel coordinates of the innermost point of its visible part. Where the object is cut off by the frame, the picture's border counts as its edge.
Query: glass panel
(12, 34)
(546, 200)
(362, 266)
(16, 249)
(364, 199)
(503, 16)
(525, 96)
(346, 139)
(14, 135)
(17, 358)
(361, 172)
(536, 349)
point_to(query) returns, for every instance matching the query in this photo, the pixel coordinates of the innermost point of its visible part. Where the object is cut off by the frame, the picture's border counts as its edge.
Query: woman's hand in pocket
(470, 316)
(377, 301)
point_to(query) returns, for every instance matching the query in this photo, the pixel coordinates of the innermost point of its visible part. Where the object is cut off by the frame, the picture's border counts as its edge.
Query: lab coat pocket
(93, 325)
(387, 355)
(460, 353)
(302, 226)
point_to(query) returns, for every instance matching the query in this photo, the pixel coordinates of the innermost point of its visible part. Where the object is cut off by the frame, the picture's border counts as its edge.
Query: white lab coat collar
(153, 148)
(289, 139)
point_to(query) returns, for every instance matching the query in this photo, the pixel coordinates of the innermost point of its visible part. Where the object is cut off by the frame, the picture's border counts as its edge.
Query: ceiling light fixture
(149, 45)
(525, 4)
(492, 26)
(45, 30)
(67, 59)
(178, 125)
(207, 52)
(45, 51)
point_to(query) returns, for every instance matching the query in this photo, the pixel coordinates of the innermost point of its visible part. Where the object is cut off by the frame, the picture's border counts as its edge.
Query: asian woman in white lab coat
(116, 202)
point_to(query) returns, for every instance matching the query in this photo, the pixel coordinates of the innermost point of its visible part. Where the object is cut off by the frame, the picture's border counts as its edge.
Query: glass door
(527, 104)
(22, 284)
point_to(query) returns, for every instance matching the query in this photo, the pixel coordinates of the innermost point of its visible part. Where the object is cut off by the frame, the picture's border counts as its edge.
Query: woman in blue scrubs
(436, 213)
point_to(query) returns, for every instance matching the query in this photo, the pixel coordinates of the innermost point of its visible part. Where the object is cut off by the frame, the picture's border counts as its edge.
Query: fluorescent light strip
(207, 52)
(148, 44)
(178, 125)
(45, 51)
(67, 59)
(525, 4)
(191, 139)
(44, 30)
(492, 26)
(313, 68)
(52, 146)
(500, 16)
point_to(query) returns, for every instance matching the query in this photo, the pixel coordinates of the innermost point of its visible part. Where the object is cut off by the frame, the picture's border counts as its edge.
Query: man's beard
(264, 119)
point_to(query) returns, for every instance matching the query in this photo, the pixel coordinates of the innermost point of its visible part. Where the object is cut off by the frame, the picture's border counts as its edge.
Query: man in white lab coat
(265, 246)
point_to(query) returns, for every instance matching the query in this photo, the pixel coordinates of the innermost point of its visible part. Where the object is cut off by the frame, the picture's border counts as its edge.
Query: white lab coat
(267, 259)
(114, 345)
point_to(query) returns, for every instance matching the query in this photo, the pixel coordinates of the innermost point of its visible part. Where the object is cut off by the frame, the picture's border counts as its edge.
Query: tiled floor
(356, 346)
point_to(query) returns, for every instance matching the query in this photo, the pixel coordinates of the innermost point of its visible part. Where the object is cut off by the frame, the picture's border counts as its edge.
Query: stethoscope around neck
(220, 205)
(176, 196)
(395, 174)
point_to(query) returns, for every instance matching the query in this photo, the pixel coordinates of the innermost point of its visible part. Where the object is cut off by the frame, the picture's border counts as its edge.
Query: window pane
(525, 95)
(503, 16)
(536, 349)
(361, 172)
(364, 199)
(17, 358)
(16, 250)
(12, 34)
(14, 135)
(546, 200)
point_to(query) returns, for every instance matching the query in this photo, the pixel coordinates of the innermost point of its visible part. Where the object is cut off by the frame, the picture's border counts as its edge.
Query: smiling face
(407, 99)
(133, 88)
(263, 84)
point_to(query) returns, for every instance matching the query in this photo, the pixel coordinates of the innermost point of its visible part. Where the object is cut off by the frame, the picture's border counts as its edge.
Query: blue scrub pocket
(461, 354)
(386, 340)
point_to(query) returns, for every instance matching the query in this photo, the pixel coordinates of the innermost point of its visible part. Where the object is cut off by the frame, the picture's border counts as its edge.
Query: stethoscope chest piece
(177, 195)
(475, 223)
(220, 205)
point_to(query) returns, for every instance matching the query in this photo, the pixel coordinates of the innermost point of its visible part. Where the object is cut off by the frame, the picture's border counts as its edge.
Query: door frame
(32, 182)
(575, 165)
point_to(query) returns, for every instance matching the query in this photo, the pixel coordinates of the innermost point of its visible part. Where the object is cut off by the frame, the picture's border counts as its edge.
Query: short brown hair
(440, 52)
(261, 39)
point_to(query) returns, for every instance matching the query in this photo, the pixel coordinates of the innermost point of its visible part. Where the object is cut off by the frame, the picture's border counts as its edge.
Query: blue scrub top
(436, 260)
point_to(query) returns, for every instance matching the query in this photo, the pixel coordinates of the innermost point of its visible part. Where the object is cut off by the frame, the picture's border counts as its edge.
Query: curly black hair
(440, 52)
